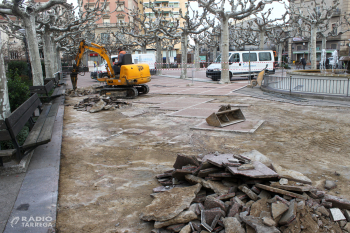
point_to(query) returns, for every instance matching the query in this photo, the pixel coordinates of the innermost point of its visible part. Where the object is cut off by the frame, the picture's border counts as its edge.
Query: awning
(317, 51)
(93, 54)
(161, 1)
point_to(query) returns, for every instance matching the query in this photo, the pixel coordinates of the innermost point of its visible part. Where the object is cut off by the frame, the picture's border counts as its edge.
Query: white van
(239, 63)
(149, 59)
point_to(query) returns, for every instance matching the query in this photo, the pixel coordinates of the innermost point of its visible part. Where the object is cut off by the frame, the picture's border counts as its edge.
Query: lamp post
(23, 32)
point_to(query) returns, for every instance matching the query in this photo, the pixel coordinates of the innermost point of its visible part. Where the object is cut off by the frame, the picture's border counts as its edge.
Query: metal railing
(320, 86)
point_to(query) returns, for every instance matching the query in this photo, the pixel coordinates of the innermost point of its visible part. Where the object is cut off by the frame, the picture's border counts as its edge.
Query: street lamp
(23, 32)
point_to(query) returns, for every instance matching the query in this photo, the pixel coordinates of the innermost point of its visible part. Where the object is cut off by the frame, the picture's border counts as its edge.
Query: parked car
(101, 70)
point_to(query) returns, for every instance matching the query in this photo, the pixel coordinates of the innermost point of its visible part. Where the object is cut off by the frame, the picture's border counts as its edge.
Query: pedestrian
(327, 63)
(303, 62)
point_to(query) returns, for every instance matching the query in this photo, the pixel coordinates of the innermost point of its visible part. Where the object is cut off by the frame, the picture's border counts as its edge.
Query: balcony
(336, 12)
(109, 25)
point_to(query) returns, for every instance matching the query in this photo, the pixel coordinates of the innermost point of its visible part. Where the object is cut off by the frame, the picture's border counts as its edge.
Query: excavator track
(142, 89)
(120, 92)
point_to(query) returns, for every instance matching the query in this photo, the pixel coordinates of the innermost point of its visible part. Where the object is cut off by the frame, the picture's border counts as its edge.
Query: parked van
(239, 63)
(149, 59)
(101, 70)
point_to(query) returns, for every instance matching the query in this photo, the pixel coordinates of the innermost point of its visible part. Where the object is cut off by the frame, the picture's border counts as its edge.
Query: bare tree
(5, 109)
(27, 12)
(239, 10)
(315, 13)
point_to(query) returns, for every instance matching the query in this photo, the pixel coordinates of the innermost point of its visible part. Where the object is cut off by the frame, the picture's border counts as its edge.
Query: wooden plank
(6, 153)
(46, 132)
(48, 87)
(33, 136)
(53, 110)
(18, 113)
(16, 128)
(4, 133)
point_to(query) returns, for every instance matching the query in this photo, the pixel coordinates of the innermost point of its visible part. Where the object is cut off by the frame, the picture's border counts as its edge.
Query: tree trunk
(167, 57)
(32, 41)
(196, 55)
(215, 53)
(184, 56)
(159, 56)
(143, 49)
(59, 61)
(49, 58)
(313, 47)
(225, 78)
(5, 109)
(280, 46)
(261, 40)
(324, 42)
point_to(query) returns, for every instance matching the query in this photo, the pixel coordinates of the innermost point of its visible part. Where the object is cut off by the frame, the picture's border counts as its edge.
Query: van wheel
(214, 79)
(230, 74)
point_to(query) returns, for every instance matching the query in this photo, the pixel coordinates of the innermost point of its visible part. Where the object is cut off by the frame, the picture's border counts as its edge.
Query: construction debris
(211, 194)
(225, 116)
(96, 104)
(81, 91)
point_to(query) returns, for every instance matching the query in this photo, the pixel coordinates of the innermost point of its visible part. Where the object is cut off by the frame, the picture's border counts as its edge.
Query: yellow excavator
(128, 84)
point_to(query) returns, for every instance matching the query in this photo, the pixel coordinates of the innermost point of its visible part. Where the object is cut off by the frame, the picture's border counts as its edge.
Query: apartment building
(299, 46)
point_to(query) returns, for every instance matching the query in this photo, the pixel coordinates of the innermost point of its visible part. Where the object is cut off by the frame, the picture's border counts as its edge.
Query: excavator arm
(93, 47)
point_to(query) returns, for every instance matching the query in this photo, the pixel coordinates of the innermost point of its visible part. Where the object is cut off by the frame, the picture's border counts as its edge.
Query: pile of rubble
(96, 104)
(241, 193)
(82, 91)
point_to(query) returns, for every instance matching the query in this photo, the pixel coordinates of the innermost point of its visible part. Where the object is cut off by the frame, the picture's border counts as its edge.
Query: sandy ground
(109, 160)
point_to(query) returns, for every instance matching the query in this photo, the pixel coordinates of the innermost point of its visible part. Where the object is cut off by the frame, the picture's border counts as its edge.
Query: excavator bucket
(225, 118)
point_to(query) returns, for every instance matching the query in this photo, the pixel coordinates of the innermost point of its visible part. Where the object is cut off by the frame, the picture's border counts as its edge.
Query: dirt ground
(109, 160)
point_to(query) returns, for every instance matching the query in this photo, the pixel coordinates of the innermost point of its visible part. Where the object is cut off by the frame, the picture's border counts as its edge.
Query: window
(247, 58)
(106, 22)
(146, 4)
(334, 28)
(235, 58)
(265, 56)
(120, 6)
(173, 4)
(299, 47)
(334, 46)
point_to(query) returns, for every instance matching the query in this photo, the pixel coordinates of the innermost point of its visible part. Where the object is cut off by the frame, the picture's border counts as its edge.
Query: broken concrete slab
(98, 106)
(232, 225)
(255, 155)
(167, 205)
(260, 171)
(206, 172)
(183, 160)
(250, 193)
(209, 215)
(258, 225)
(220, 160)
(217, 187)
(162, 189)
(186, 229)
(347, 215)
(183, 217)
(277, 209)
(283, 181)
(295, 188)
(258, 207)
(180, 174)
(247, 166)
(290, 214)
(176, 228)
(323, 211)
(268, 221)
(212, 202)
(291, 175)
(338, 202)
(337, 215)
(280, 191)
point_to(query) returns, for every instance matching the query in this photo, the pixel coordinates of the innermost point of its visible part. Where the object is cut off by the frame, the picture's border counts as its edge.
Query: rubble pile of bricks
(96, 104)
(81, 92)
(236, 194)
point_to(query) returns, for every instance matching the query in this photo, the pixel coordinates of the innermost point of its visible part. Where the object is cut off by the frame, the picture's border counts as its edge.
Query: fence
(325, 86)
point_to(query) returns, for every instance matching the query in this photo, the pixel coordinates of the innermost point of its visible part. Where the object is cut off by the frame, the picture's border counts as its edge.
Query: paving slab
(192, 113)
(260, 171)
(248, 126)
(156, 100)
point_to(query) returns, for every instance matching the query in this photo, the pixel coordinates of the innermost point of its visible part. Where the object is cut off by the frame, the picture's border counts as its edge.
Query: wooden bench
(40, 130)
(46, 90)
(55, 79)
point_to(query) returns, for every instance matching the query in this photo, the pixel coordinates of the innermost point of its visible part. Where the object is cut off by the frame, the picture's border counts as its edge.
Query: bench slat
(21, 115)
(49, 86)
(46, 132)
(55, 91)
(4, 133)
(9, 152)
(32, 138)
(23, 119)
